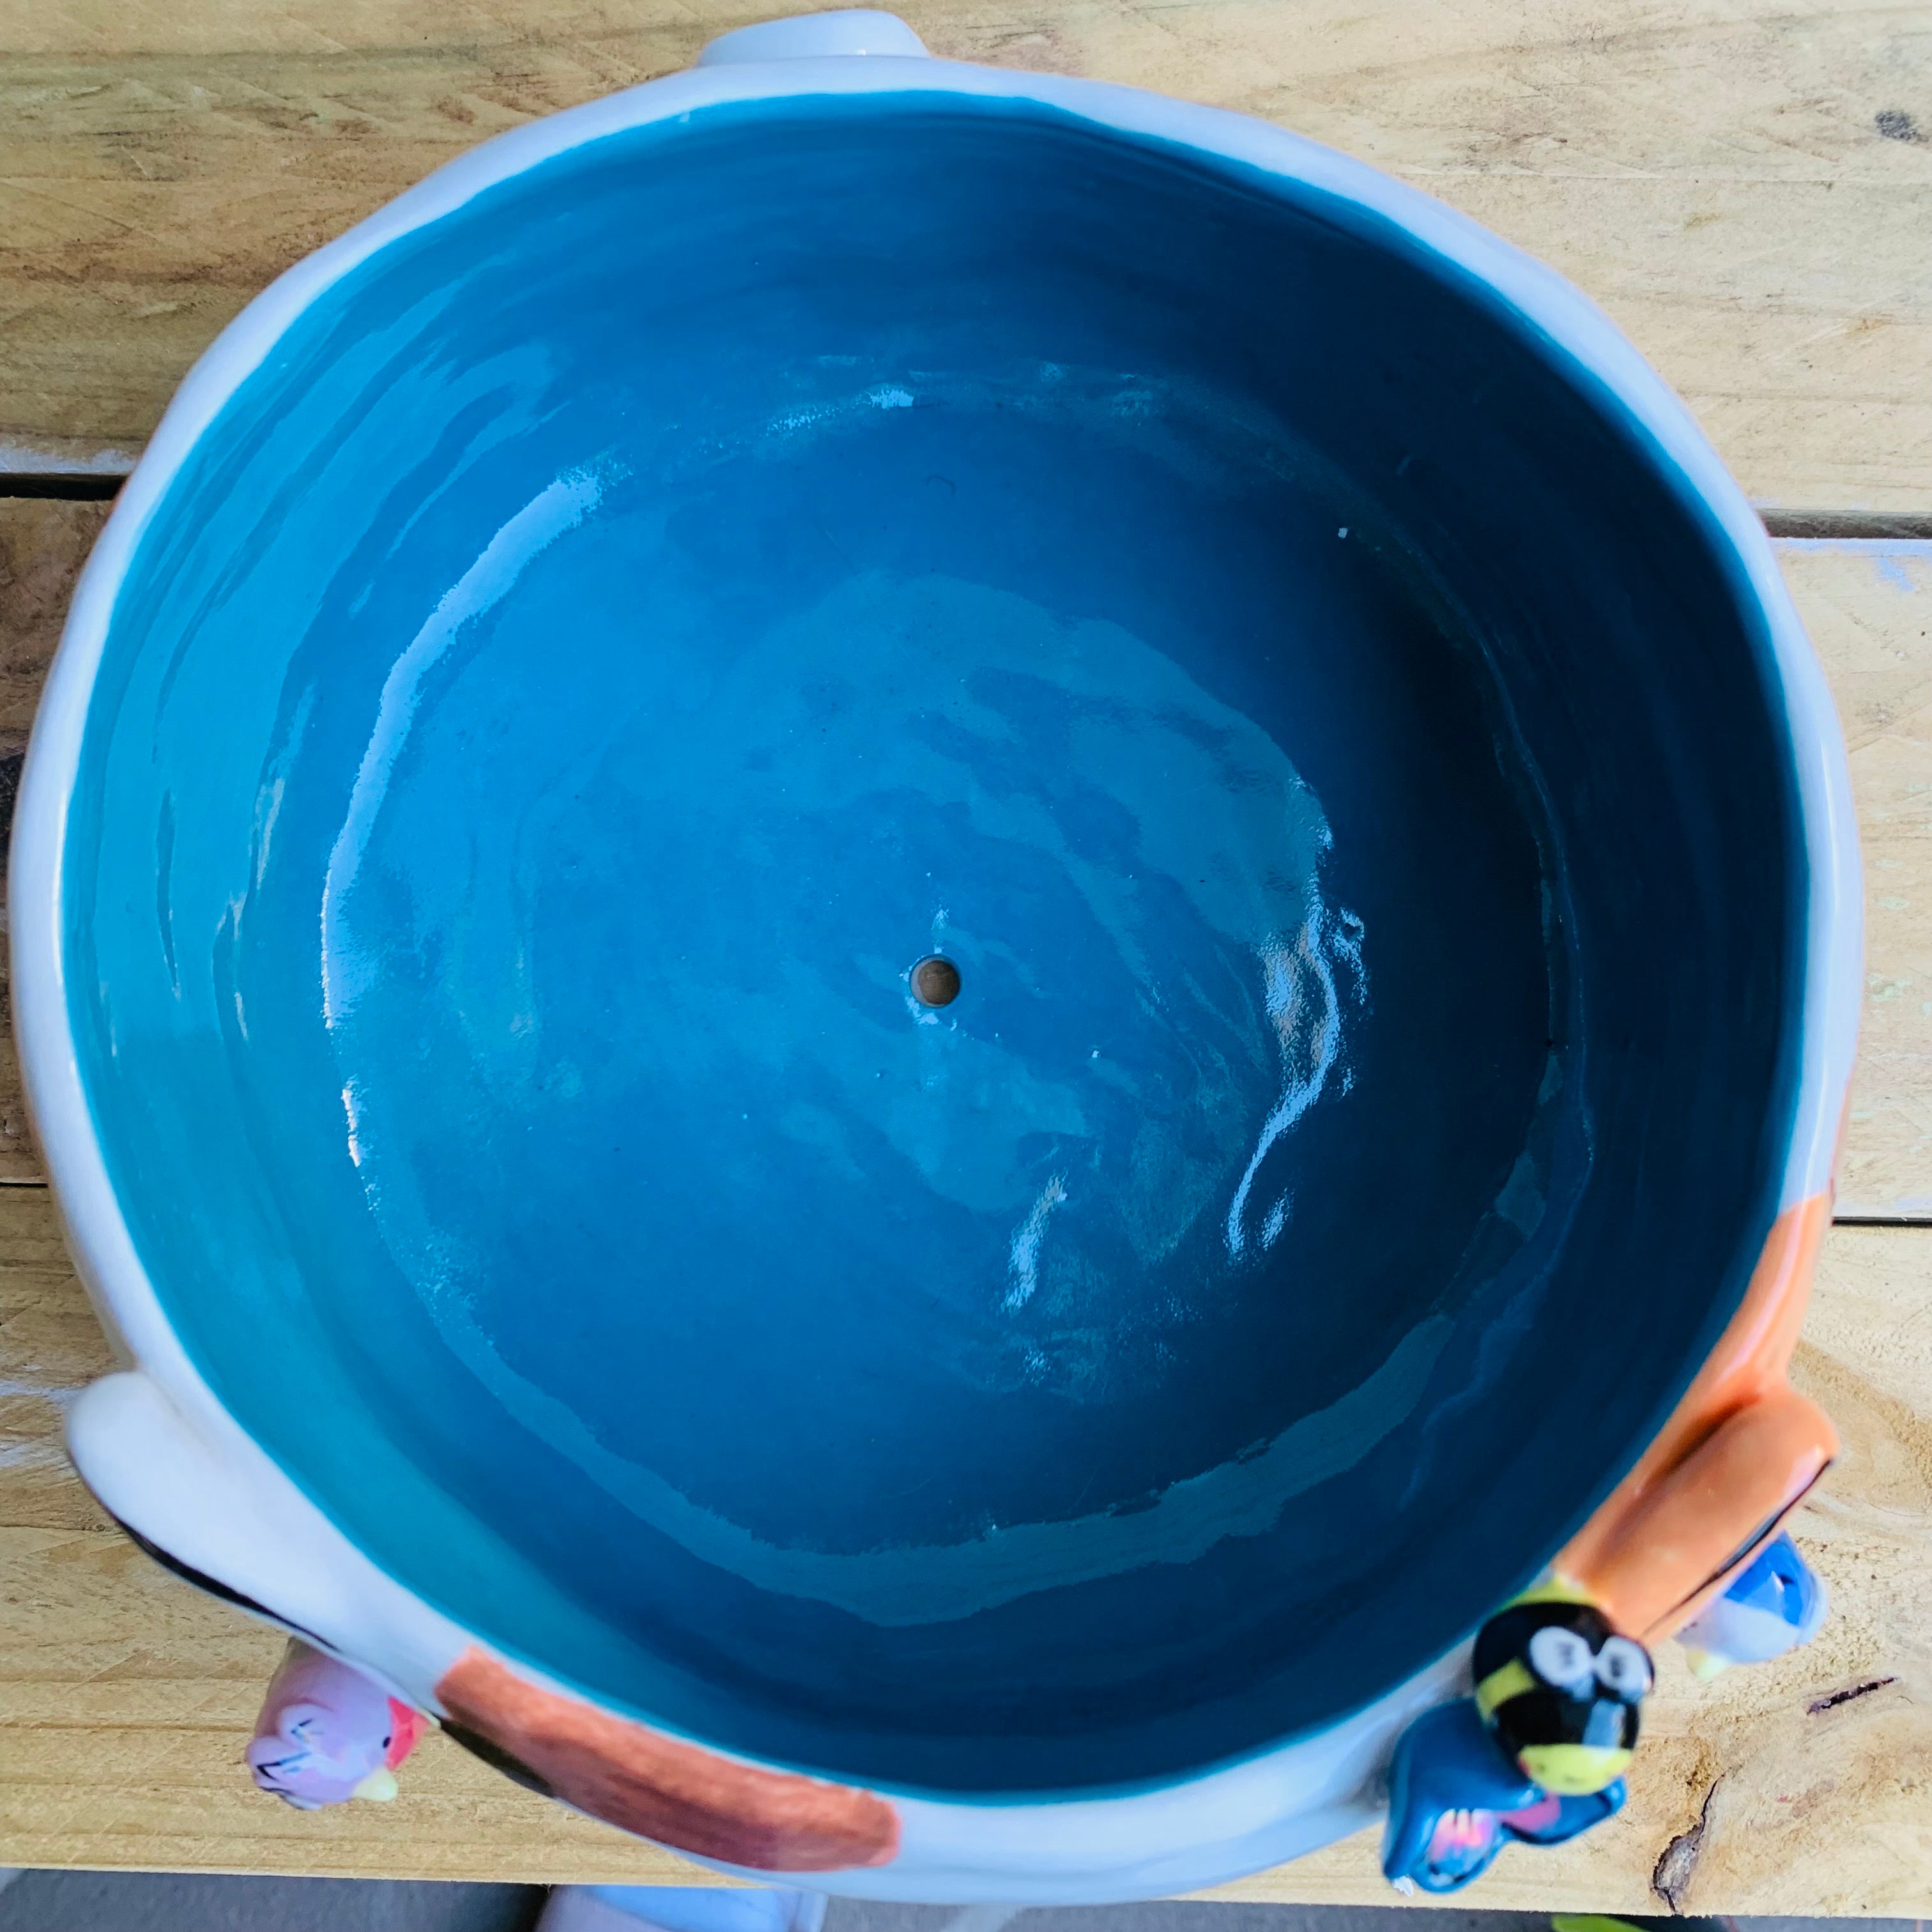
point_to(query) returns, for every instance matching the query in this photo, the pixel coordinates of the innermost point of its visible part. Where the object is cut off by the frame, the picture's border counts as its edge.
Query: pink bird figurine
(327, 1734)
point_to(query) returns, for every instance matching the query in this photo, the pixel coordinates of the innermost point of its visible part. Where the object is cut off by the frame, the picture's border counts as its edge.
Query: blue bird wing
(1449, 1787)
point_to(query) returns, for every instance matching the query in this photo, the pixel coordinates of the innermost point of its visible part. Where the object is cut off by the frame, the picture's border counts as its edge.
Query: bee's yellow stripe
(1574, 1771)
(1509, 1680)
(1553, 1589)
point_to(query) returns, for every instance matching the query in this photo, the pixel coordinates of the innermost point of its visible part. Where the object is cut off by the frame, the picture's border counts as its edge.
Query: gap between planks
(102, 485)
(1854, 1220)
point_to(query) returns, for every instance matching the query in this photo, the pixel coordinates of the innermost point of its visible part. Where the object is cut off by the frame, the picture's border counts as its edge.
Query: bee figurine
(1688, 1544)
(1538, 1754)
(1560, 1690)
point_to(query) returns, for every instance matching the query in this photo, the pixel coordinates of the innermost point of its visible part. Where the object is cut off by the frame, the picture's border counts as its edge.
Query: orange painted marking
(1738, 1451)
(660, 1787)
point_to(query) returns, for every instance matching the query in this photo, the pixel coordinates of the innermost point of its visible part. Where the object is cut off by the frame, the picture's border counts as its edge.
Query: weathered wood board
(1868, 606)
(1745, 185)
(1802, 1787)
(42, 545)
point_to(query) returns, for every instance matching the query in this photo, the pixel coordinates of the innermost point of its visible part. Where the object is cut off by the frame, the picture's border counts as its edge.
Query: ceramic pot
(574, 651)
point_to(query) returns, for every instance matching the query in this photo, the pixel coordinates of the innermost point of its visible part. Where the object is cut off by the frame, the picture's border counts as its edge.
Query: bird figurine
(1455, 1800)
(327, 1733)
(1777, 1603)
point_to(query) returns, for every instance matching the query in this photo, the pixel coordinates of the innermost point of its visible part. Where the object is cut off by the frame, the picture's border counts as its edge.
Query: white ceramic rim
(264, 1536)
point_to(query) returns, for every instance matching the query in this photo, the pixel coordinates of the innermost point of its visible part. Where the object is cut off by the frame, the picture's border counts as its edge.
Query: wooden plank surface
(1746, 185)
(126, 1696)
(42, 545)
(1869, 609)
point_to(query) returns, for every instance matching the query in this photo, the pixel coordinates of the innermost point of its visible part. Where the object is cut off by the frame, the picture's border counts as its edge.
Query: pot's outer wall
(169, 1458)
(1533, 1186)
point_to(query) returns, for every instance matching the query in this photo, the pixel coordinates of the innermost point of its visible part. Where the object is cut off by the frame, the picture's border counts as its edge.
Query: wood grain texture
(42, 545)
(1738, 181)
(126, 1697)
(1869, 609)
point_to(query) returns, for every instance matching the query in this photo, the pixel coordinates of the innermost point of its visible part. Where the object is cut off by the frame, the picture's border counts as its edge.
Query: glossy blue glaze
(631, 621)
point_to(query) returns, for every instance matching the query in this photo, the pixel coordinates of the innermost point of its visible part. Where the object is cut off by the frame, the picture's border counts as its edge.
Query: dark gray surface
(67, 1901)
(1175, 1916)
(44, 1901)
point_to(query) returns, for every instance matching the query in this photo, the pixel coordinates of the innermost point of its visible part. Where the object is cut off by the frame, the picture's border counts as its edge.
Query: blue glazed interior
(625, 625)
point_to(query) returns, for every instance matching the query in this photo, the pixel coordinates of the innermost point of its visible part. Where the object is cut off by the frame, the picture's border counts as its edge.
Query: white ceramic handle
(227, 1518)
(850, 30)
